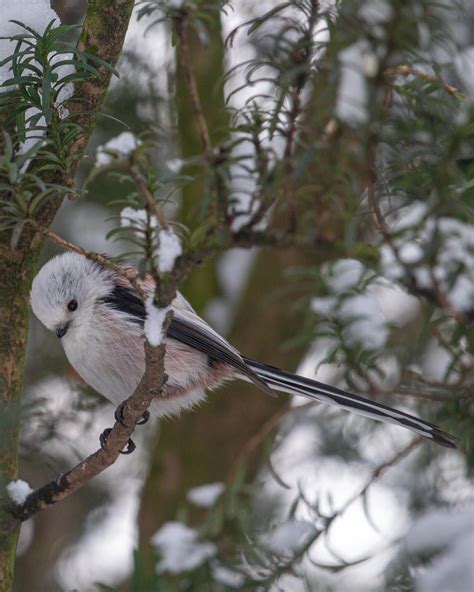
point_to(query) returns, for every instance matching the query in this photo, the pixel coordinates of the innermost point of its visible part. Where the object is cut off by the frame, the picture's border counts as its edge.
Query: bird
(99, 319)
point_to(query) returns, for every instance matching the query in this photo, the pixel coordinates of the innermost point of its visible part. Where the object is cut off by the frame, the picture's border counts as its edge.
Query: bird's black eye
(72, 305)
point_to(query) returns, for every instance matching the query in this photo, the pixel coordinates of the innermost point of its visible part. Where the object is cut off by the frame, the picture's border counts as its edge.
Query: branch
(443, 301)
(373, 203)
(405, 70)
(242, 239)
(378, 472)
(151, 205)
(408, 391)
(69, 482)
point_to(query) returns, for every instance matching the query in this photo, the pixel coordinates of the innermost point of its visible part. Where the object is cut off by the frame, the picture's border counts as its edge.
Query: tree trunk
(16, 271)
(103, 34)
(208, 67)
(201, 447)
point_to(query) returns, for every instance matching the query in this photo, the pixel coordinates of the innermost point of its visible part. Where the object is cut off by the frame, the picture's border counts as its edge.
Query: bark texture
(103, 35)
(207, 65)
(201, 447)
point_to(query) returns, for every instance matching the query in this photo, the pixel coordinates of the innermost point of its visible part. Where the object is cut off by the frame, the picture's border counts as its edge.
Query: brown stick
(444, 302)
(379, 471)
(405, 70)
(69, 482)
(151, 204)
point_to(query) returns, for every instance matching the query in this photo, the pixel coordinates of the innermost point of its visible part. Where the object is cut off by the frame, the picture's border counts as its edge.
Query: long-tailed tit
(100, 321)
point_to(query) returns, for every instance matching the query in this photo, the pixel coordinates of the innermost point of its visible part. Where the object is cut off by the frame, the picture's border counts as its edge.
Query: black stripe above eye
(126, 301)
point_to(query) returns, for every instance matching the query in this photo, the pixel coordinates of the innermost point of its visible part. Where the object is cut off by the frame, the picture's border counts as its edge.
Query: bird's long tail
(318, 391)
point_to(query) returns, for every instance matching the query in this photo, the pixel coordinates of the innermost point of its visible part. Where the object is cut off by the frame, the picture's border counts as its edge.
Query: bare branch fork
(378, 471)
(376, 474)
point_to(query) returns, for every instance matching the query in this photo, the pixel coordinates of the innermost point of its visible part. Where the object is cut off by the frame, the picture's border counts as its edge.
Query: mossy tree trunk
(103, 33)
(207, 64)
(208, 67)
(16, 269)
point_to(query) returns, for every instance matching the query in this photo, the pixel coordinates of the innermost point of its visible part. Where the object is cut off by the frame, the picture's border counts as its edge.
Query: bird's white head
(67, 290)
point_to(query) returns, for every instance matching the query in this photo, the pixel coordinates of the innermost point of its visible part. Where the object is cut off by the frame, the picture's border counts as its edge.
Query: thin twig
(378, 472)
(407, 391)
(64, 485)
(405, 70)
(373, 203)
(151, 204)
(444, 302)
(465, 368)
(293, 119)
(97, 258)
(265, 430)
(288, 189)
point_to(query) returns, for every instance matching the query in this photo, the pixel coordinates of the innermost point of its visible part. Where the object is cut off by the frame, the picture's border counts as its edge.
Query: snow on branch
(18, 491)
(205, 496)
(120, 147)
(155, 328)
(169, 250)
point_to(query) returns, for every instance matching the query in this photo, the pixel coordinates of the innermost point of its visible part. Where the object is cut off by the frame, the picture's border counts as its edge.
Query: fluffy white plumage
(63, 278)
(105, 345)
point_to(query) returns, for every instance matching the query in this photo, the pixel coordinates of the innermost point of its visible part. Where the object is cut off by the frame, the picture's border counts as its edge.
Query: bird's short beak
(61, 331)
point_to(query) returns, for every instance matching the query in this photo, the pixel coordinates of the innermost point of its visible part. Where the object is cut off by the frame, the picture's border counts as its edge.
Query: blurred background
(281, 464)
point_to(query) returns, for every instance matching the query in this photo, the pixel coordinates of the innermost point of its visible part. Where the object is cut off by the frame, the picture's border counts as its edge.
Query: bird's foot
(103, 442)
(119, 415)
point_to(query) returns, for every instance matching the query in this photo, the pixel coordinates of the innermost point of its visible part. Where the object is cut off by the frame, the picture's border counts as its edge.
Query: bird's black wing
(193, 331)
(188, 328)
